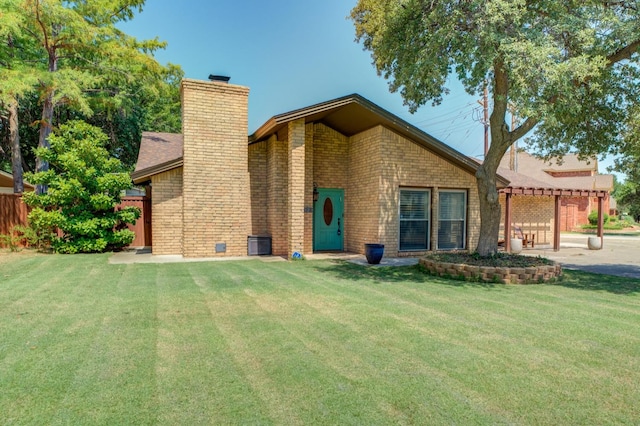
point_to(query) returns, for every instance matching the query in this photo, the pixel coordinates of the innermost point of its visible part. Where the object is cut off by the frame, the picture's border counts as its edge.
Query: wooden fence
(14, 212)
(142, 227)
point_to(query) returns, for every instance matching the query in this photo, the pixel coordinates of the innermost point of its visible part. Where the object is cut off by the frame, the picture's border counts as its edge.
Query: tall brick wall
(296, 186)
(258, 182)
(534, 214)
(363, 196)
(216, 180)
(277, 191)
(574, 211)
(308, 191)
(166, 205)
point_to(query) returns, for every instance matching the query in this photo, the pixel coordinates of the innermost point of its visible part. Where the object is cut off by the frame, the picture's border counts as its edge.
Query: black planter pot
(373, 252)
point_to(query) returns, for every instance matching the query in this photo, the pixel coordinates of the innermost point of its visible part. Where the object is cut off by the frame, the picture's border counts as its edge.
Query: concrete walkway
(145, 256)
(620, 255)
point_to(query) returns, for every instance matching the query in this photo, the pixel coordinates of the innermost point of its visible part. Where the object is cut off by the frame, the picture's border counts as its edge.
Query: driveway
(620, 254)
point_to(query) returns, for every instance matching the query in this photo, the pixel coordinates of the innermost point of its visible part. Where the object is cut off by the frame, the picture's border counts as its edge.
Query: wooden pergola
(557, 193)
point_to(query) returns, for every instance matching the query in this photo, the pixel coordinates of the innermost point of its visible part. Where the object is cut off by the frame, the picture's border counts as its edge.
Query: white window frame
(464, 219)
(428, 194)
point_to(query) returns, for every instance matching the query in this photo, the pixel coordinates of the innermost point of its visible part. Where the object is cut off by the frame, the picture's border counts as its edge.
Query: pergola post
(507, 223)
(556, 224)
(600, 222)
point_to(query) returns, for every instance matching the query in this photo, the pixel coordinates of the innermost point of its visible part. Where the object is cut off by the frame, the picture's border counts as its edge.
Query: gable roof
(353, 114)
(532, 172)
(159, 152)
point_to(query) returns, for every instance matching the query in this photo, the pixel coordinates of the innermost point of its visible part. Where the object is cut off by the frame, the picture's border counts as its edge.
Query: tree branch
(624, 53)
(524, 128)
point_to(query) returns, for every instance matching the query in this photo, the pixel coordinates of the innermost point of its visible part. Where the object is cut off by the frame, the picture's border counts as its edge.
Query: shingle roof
(159, 152)
(532, 172)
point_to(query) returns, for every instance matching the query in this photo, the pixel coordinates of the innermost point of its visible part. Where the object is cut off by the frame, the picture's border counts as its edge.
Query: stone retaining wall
(504, 275)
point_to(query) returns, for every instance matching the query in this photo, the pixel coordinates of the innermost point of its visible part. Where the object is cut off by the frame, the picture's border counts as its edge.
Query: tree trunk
(486, 175)
(490, 212)
(47, 119)
(16, 155)
(43, 141)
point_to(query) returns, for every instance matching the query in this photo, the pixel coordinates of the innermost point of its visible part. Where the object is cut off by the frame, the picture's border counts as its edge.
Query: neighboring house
(329, 177)
(578, 180)
(6, 183)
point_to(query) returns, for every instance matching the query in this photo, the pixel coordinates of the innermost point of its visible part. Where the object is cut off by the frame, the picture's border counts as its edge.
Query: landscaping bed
(500, 268)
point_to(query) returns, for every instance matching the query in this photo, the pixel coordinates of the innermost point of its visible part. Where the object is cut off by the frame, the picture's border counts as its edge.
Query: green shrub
(593, 218)
(77, 214)
(20, 235)
(12, 240)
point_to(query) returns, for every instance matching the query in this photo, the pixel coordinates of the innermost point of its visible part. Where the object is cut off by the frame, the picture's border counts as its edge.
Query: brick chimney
(216, 191)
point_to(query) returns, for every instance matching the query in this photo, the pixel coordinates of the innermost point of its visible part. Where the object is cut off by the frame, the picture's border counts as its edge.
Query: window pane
(451, 235)
(414, 205)
(414, 219)
(413, 235)
(452, 205)
(452, 220)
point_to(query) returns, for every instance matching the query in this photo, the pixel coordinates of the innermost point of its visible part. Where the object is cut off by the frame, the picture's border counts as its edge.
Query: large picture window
(452, 220)
(415, 210)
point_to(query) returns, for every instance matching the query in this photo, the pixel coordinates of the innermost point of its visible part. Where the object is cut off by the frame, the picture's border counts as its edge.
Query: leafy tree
(84, 186)
(17, 78)
(149, 107)
(627, 196)
(569, 68)
(83, 56)
(101, 75)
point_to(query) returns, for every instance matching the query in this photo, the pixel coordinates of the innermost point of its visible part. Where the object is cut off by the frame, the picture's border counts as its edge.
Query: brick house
(329, 177)
(533, 210)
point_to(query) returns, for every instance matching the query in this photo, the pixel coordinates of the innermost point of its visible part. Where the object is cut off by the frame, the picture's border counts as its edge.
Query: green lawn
(309, 342)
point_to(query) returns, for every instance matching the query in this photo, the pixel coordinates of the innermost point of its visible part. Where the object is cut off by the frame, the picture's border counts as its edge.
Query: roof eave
(140, 176)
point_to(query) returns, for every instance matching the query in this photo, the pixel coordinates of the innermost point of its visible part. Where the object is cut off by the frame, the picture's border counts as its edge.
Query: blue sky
(293, 54)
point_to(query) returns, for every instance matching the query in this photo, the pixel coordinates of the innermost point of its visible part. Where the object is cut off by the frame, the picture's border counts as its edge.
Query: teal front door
(328, 220)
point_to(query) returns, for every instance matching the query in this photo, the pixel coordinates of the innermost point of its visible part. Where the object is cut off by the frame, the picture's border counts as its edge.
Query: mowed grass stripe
(198, 380)
(268, 366)
(116, 382)
(273, 371)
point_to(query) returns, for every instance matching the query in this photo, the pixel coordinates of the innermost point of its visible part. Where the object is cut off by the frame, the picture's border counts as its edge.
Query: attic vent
(219, 78)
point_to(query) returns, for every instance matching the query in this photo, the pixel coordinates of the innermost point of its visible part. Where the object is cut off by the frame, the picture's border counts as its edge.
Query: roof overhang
(6, 181)
(145, 175)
